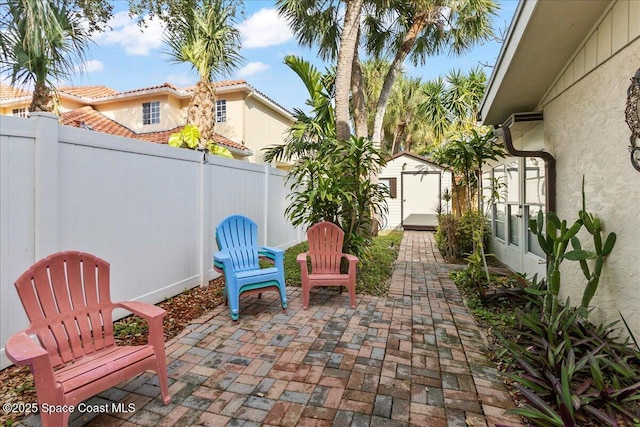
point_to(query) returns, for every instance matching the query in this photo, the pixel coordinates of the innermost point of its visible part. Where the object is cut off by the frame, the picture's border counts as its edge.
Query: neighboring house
(246, 120)
(557, 96)
(415, 185)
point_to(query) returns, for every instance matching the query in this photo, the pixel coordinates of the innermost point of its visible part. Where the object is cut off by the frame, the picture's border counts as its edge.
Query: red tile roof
(9, 92)
(87, 117)
(88, 91)
(95, 92)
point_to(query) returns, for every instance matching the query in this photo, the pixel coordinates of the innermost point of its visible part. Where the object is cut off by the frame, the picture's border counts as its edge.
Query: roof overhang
(542, 38)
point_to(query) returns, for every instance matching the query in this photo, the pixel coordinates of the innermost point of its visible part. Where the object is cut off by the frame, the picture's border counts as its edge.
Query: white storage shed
(415, 185)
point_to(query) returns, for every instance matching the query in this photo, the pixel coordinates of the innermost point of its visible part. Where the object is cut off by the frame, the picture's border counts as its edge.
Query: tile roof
(88, 91)
(95, 92)
(10, 92)
(87, 117)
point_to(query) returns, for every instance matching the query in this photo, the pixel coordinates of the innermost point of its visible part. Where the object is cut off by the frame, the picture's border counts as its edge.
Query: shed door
(420, 199)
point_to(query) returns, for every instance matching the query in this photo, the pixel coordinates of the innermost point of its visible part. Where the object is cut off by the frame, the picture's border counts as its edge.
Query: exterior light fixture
(632, 113)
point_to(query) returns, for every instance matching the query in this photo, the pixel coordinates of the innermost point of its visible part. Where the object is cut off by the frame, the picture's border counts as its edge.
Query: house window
(500, 207)
(391, 184)
(513, 200)
(221, 110)
(535, 199)
(19, 112)
(151, 113)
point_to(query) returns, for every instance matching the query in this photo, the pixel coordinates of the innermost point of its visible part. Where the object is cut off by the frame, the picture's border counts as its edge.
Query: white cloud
(181, 80)
(251, 69)
(92, 65)
(264, 28)
(128, 35)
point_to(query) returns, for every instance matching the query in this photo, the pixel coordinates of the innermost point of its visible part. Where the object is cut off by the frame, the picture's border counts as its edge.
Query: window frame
(150, 113)
(221, 110)
(20, 112)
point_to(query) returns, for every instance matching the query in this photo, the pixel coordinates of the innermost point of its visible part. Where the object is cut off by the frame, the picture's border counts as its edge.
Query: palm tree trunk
(405, 48)
(357, 98)
(348, 40)
(201, 111)
(42, 99)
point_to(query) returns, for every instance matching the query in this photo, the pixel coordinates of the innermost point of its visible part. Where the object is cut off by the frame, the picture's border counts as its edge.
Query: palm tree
(205, 38)
(373, 73)
(42, 43)
(435, 110)
(422, 28)
(334, 27)
(403, 123)
(451, 103)
(309, 130)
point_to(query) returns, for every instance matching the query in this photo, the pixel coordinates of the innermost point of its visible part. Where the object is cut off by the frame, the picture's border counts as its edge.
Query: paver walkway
(414, 358)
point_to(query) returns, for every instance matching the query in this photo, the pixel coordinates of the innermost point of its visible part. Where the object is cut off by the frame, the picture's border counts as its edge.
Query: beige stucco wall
(128, 112)
(585, 130)
(252, 123)
(263, 127)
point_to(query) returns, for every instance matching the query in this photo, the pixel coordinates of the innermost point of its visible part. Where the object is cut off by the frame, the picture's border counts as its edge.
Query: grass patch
(374, 273)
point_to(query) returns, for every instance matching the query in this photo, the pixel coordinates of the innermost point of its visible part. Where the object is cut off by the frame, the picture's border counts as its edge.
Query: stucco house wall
(583, 127)
(264, 126)
(585, 130)
(253, 121)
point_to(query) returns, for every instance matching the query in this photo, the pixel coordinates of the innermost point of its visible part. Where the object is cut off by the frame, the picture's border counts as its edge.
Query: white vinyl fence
(149, 210)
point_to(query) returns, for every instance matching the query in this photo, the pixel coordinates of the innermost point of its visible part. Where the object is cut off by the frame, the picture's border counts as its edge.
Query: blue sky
(127, 58)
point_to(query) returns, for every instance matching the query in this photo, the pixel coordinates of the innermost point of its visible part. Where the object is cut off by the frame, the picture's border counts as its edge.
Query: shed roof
(416, 157)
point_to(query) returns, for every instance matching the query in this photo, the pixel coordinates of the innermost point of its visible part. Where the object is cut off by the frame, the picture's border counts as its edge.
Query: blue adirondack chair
(237, 238)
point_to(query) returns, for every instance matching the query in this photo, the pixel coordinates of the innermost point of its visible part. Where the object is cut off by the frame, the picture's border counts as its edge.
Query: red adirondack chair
(325, 251)
(66, 297)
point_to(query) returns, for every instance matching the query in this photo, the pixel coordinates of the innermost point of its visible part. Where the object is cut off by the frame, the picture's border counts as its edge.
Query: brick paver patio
(414, 358)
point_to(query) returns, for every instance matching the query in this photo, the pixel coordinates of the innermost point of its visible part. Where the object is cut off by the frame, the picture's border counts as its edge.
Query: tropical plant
(466, 156)
(189, 137)
(451, 103)
(309, 129)
(205, 37)
(425, 28)
(396, 29)
(333, 184)
(43, 41)
(571, 371)
(404, 124)
(554, 240)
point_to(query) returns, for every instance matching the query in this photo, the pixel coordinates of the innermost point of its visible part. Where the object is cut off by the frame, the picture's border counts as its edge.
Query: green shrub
(571, 372)
(454, 236)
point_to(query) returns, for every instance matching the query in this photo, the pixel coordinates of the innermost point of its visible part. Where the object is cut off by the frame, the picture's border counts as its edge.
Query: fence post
(46, 184)
(204, 221)
(265, 205)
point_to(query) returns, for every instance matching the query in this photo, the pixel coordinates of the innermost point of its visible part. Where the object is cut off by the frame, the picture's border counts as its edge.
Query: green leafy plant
(334, 184)
(454, 236)
(189, 137)
(571, 371)
(554, 242)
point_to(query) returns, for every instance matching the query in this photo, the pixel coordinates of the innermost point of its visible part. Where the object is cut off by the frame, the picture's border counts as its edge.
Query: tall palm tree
(42, 43)
(206, 38)
(403, 123)
(334, 27)
(451, 103)
(423, 28)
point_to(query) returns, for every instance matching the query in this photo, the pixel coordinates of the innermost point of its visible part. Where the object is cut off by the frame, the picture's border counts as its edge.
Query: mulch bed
(16, 383)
